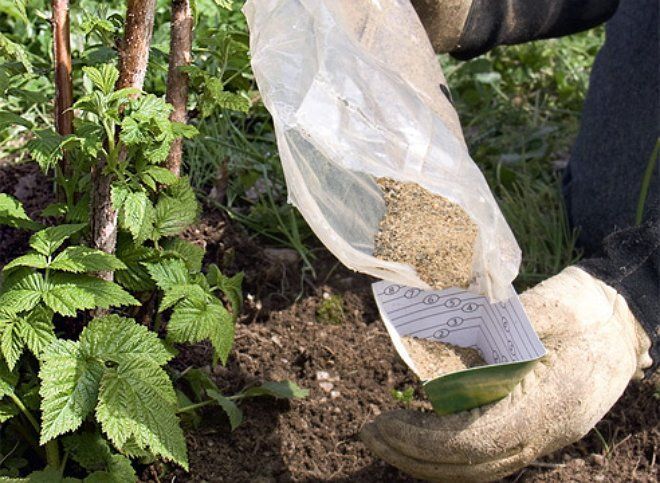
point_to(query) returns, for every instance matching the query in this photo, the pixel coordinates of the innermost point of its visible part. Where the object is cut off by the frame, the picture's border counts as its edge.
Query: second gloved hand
(595, 346)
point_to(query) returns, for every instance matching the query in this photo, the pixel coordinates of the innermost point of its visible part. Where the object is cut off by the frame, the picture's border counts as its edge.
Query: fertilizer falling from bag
(433, 358)
(433, 235)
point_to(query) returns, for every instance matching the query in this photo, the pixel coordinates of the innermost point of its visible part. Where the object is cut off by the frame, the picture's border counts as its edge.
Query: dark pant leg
(620, 128)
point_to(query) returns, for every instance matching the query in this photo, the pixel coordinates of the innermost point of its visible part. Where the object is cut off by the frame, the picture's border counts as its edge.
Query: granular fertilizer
(428, 232)
(433, 358)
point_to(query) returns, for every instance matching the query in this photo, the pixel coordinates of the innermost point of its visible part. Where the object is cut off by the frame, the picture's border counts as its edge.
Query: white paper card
(500, 332)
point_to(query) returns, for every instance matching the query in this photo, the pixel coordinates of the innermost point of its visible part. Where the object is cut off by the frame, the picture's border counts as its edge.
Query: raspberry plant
(83, 356)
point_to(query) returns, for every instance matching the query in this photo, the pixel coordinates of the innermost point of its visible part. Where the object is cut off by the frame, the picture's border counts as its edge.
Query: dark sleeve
(504, 22)
(630, 263)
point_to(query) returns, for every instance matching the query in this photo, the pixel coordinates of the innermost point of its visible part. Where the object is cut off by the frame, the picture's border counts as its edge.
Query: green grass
(520, 107)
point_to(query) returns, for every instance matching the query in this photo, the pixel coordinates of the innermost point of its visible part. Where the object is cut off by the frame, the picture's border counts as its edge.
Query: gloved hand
(595, 346)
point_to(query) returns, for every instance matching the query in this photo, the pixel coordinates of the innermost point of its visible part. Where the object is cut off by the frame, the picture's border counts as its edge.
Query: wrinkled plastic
(355, 92)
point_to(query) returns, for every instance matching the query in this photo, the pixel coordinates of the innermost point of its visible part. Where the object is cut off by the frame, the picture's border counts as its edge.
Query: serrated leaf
(13, 214)
(8, 380)
(231, 287)
(181, 129)
(89, 450)
(104, 294)
(69, 388)
(118, 339)
(135, 277)
(137, 401)
(118, 194)
(176, 209)
(8, 119)
(104, 77)
(11, 343)
(7, 411)
(47, 241)
(12, 50)
(36, 330)
(168, 273)
(137, 214)
(131, 132)
(226, 4)
(232, 101)
(230, 408)
(24, 292)
(81, 259)
(280, 390)
(67, 298)
(94, 454)
(191, 253)
(178, 292)
(159, 175)
(119, 470)
(46, 147)
(193, 321)
(34, 260)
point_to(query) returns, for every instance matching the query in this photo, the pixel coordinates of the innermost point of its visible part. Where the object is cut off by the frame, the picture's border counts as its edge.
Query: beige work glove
(595, 346)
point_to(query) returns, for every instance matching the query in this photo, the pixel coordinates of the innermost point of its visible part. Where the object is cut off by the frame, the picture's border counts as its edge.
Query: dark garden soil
(346, 360)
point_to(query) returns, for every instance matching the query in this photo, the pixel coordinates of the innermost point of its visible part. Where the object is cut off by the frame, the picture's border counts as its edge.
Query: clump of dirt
(428, 232)
(433, 358)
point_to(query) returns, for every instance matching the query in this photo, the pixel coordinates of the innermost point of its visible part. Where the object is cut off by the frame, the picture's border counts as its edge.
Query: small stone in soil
(428, 232)
(433, 358)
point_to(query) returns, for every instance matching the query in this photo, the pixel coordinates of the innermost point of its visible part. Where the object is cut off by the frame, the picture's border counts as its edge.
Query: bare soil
(350, 369)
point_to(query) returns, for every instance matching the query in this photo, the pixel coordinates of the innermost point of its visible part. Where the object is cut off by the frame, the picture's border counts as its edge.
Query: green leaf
(8, 380)
(112, 352)
(89, 450)
(12, 50)
(55, 210)
(190, 253)
(194, 320)
(8, 119)
(176, 209)
(156, 174)
(118, 339)
(226, 4)
(94, 454)
(178, 292)
(80, 259)
(118, 194)
(280, 390)
(7, 411)
(230, 408)
(37, 330)
(67, 298)
(168, 273)
(104, 77)
(47, 241)
(69, 387)
(13, 214)
(106, 294)
(11, 344)
(119, 470)
(137, 214)
(232, 101)
(46, 147)
(24, 292)
(135, 277)
(34, 260)
(231, 287)
(137, 401)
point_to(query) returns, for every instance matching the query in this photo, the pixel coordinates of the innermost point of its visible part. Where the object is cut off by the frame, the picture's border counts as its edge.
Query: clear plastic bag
(356, 93)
